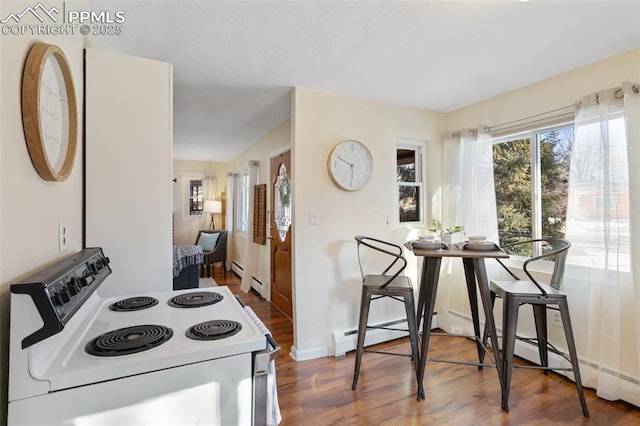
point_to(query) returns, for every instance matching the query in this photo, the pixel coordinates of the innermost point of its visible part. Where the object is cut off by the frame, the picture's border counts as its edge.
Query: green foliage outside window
(555, 152)
(514, 186)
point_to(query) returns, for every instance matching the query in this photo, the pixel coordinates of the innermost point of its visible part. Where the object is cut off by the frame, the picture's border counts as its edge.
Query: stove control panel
(59, 290)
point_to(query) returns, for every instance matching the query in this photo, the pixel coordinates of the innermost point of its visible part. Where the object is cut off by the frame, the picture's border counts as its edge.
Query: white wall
(327, 280)
(30, 208)
(548, 95)
(186, 227)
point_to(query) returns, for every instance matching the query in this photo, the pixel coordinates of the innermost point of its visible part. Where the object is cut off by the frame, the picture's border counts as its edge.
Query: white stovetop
(72, 366)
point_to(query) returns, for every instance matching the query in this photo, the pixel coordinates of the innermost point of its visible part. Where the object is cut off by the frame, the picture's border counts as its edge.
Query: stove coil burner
(133, 304)
(129, 340)
(195, 299)
(213, 330)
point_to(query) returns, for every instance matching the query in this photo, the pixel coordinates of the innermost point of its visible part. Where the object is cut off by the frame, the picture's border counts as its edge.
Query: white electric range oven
(188, 357)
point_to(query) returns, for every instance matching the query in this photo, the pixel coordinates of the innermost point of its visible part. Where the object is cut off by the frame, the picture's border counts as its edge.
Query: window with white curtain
(531, 175)
(242, 201)
(599, 196)
(410, 181)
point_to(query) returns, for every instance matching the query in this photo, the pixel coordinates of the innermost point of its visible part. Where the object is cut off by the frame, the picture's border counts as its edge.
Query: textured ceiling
(235, 62)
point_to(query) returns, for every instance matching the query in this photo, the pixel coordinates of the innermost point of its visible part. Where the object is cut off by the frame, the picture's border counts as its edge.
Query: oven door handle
(263, 358)
(266, 409)
(265, 391)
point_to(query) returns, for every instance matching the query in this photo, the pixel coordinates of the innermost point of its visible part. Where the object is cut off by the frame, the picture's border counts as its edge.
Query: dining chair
(541, 297)
(389, 283)
(214, 249)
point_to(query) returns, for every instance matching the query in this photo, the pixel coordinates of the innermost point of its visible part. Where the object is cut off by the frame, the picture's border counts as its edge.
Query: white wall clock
(350, 165)
(49, 112)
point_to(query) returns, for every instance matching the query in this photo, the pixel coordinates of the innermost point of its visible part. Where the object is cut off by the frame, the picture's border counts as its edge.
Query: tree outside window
(531, 184)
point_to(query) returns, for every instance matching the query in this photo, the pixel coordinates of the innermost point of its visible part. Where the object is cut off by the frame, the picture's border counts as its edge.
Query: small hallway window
(196, 197)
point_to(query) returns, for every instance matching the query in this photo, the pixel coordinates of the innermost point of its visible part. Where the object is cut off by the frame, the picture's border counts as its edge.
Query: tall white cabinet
(128, 169)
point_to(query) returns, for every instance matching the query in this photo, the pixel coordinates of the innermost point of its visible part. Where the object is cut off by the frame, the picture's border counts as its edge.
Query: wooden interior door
(281, 287)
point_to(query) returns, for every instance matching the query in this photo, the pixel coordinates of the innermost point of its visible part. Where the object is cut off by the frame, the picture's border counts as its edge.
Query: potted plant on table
(436, 228)
(448, 235)
(453, 234)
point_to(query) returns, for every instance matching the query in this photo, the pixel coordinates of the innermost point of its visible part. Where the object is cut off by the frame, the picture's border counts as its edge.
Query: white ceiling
(236, 61)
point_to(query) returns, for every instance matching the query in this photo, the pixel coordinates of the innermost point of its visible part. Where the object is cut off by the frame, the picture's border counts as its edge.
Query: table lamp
(214, 207)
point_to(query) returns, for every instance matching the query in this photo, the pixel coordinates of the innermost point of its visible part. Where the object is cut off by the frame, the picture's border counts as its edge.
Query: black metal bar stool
(541, 297)
(386, 284)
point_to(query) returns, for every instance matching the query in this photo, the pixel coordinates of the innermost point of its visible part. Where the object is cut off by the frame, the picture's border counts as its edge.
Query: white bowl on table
(431, 244)
(477, 239)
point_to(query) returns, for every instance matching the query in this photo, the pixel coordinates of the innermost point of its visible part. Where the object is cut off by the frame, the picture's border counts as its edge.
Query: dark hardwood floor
(318, 391)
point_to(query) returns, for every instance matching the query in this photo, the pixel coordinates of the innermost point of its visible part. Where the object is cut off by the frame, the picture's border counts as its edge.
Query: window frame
(533, 135)
(190, 198)
(419, 147)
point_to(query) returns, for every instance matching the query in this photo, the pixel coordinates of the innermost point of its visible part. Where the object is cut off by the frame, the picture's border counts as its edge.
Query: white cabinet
(128, 169)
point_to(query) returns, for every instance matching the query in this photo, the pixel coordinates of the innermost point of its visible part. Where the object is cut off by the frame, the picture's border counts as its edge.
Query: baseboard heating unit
(345, 341)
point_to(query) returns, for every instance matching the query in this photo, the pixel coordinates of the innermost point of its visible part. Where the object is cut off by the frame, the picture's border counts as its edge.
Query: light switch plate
(314, 217)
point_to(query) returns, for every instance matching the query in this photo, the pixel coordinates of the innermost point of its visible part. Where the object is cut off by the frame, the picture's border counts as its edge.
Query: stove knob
(55, 299)
(99, 264)
(71, 289)
(77, 283)
(83, 282)
(62, 297)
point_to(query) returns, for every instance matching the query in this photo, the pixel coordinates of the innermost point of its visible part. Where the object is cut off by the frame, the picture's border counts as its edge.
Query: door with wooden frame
(281, 230)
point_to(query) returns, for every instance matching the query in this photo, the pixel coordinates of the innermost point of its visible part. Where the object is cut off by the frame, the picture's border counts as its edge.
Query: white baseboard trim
(308, 354)
(237, 269)
(256, 284)
(345, 341)
(260, 287)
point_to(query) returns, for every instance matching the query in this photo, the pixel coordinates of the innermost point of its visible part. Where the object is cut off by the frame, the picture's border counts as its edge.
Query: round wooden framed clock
(350, 165)
(49, 112)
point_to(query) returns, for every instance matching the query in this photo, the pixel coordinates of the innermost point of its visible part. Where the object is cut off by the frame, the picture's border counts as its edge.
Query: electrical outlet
(556, 320)
(63, 236)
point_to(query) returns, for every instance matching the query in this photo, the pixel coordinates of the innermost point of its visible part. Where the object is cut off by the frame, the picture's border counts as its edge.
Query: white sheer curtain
(470, 198)
(207, 194)
(603, 225)
(229, 225)
(250, 250)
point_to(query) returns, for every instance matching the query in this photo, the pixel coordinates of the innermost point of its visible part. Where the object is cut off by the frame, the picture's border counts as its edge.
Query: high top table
(475, 273)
